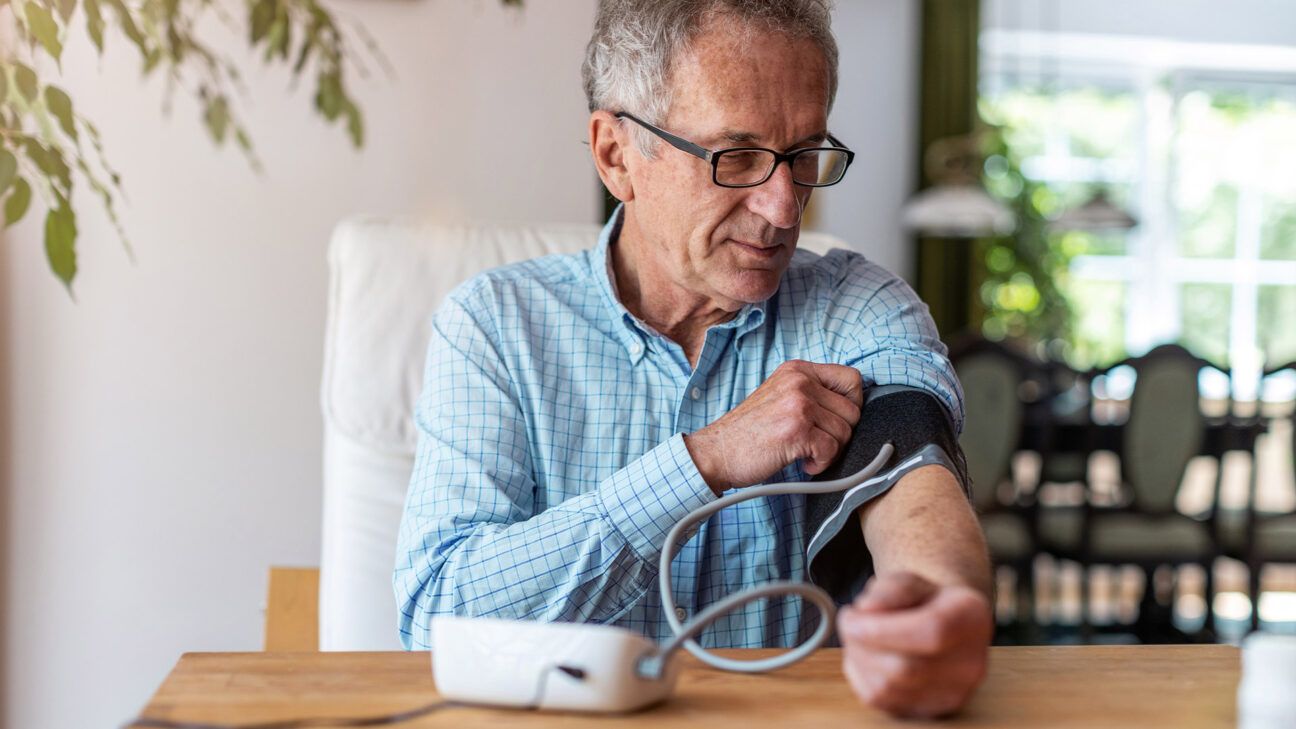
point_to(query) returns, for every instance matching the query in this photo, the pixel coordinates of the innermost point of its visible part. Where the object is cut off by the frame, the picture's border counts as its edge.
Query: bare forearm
(925, 525)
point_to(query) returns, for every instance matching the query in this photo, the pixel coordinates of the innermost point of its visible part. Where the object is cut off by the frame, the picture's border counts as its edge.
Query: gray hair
(628, 60)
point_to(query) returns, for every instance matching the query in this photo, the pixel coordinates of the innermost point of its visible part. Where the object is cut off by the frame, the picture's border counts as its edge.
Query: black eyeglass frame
(713, 156)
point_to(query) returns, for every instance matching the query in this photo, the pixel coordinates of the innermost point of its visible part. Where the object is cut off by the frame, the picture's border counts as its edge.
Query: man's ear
(609, 144)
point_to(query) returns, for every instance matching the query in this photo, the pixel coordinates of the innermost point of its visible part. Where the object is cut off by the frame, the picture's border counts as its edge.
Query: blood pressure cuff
(918, 426)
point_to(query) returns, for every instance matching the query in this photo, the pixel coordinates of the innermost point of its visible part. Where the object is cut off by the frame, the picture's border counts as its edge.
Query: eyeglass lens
(753, 166)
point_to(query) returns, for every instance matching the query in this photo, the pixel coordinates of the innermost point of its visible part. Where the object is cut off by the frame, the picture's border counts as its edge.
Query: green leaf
(329, 96)
(355, 124)
(177, 44)
(94, 23)
(60, 105)
(8, 170)
(278, 39)
(303, 55)
(43, 28)
(60, 242)
(263, 14)
(217, 118)
(25, 80)
(16, 206)
(4, 85)
(65, 8)
(284, 39)
(50, 161)
(128, 26)
(151, 60)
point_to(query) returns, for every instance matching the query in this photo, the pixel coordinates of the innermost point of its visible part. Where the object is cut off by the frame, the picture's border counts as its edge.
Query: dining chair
(1271, 536)
(1164, 431)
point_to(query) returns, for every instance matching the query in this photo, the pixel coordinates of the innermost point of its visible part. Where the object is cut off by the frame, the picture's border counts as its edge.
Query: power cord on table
(323, 721)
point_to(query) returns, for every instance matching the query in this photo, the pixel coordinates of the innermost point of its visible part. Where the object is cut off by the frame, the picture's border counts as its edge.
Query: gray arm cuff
(919, 428)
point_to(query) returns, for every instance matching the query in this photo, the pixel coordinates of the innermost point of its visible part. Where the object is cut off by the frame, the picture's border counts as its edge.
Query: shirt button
(697, 393)
(636, 348)
(681, 613)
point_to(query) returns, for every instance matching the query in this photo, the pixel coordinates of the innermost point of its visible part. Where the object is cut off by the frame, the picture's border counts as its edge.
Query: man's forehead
(747, 137)
(745, 87)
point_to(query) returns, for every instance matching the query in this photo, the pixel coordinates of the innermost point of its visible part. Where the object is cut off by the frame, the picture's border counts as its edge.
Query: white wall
(160, 436)
(876, 114)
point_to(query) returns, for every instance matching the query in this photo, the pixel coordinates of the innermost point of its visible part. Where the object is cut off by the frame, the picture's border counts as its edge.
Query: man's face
(733, 89)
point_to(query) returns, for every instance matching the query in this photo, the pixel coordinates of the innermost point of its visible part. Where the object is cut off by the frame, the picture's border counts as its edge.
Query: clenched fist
(804, 411)
(914, 648)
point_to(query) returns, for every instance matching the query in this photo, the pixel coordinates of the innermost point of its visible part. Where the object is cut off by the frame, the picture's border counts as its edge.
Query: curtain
(948, 269)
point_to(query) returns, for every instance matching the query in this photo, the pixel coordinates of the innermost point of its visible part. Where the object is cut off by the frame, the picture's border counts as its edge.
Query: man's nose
(778, 200)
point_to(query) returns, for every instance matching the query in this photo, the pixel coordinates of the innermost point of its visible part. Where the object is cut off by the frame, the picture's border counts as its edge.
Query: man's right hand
(804, 411)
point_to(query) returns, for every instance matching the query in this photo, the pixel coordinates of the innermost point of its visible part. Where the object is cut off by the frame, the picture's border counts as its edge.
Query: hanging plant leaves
(8, 170)
(263, 14)
(60, 242)
(50, 161)
(329, 96)
(127, 22)
(43, 29)
(25, 80)
(355, 123)
(16, 206)
(217, 118)
(300, 33)
(60, 105)
(94, 23)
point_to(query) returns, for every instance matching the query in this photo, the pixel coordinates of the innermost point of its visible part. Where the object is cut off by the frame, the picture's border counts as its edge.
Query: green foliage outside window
(1029, 293)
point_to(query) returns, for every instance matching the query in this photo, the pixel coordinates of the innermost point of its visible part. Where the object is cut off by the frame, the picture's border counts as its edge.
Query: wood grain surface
(1081, 686)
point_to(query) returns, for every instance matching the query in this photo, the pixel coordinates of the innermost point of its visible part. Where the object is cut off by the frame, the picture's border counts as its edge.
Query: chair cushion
(1275, 538)
(386, 278)
(1060, 529)
(1135, 537)
(1008, 536)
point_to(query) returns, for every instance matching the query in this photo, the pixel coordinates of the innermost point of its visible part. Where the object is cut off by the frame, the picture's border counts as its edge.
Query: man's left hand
(914, 648)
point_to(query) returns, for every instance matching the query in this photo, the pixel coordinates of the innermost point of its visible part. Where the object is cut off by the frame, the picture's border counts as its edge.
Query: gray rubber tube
(684, 634)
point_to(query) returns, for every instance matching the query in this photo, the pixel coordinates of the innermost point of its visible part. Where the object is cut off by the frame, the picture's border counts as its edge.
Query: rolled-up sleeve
(877, 324)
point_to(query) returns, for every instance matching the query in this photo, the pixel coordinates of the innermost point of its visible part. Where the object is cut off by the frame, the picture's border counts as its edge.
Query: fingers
(804, 411)
(820, 410)
(841, 379)
(912, 687)
(925, 660)
(842, 407)
(823, 449)
(895, 591)
(950, 620)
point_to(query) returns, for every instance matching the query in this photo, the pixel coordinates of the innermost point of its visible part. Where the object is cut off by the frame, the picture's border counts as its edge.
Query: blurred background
(1094, 197)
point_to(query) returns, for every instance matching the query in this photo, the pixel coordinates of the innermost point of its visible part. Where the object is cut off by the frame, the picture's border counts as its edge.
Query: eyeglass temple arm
(679, 143)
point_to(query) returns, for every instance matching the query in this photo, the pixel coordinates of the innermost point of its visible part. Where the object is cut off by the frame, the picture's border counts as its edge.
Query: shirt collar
(631, 329)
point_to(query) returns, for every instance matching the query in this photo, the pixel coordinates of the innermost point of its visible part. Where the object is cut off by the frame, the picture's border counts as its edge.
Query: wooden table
(1091, 686)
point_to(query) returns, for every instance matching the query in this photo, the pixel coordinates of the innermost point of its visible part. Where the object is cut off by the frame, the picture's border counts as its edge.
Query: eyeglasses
(752, 166)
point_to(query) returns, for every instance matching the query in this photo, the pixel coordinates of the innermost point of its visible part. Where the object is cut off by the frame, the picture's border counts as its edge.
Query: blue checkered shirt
(551, 461)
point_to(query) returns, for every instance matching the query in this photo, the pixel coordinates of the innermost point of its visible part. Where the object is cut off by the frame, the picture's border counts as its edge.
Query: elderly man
(576, 407)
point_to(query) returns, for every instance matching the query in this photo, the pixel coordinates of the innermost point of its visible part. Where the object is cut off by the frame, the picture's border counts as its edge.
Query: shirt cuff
(648, 497)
